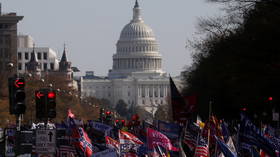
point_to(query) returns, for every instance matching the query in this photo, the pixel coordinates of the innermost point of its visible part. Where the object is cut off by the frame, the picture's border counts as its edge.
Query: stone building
(136, 75)
(41, 61)
(8, 40)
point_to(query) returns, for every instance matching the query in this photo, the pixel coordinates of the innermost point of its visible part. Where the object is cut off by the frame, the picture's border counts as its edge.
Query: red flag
(156, 138)
(128, 137)
(70, 114)
(112, 143)
(80, 137)
(128, 142)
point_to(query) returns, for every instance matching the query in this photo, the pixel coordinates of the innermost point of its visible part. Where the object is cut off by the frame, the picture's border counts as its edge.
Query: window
(45, 55)
(26, 55)
(155, 92)
(39, 55)
(6, 53)
(45, 66)
(143, 91)
(128, 93)
(19, 56)
(52, 66)
(19, 66)
(151, 91)
(25, 65)
(161, 91)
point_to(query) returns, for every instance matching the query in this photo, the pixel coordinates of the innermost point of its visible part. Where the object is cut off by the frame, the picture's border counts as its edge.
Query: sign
(26, 139)
(45, 141)
(101, 127)
(66, 151)
(39, 94)
(106, 153)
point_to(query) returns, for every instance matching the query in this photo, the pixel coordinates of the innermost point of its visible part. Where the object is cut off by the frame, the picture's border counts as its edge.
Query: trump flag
(156, 138)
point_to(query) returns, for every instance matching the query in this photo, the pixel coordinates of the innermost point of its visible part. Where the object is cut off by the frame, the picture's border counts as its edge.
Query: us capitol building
(136, 76)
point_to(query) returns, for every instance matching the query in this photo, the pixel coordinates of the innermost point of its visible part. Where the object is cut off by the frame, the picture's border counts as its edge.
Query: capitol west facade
(136, 76)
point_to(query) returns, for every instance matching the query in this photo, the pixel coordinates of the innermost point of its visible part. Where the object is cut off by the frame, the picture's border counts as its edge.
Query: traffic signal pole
(45, 105)
(18, 121)
(17, 98)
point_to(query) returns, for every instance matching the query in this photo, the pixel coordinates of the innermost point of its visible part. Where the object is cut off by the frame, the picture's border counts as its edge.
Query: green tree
(122, 108)
(237, 61)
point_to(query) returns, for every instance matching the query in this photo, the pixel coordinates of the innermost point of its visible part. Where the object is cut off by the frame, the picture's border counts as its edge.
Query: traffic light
(41, 105)
(108, 117)
(101, 115)
(45, 103)
(17, 95)
(51, 104)
(122, 122)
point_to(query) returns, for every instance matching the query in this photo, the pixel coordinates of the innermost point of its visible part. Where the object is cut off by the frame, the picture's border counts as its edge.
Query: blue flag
(225, 131)
(225, 149)
(249, 134)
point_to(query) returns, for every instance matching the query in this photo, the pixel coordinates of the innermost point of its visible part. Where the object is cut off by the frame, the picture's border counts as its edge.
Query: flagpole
(161, 154)
(120, 154)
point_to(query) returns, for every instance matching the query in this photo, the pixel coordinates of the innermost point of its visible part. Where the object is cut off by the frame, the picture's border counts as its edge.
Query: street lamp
(10, 67)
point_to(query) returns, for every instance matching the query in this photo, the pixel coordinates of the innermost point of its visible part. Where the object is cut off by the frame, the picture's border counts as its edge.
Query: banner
(171, 130)
(101, 127)
(106, 153)
(249, 134)
(156, 138)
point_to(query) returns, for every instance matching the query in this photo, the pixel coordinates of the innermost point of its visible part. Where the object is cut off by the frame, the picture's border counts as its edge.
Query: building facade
(8, 40)
(41, 61)
(136, 75)
(46, 57)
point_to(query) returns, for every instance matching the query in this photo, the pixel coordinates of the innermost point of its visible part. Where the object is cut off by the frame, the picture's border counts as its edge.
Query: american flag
(190, 140)
(190, 136)
(201, 149)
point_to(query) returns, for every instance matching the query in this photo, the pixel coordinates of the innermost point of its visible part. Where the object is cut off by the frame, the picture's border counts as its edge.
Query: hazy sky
(91, 28)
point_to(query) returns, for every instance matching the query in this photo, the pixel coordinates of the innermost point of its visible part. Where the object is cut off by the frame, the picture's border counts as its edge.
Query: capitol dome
(137, 50)
(136, 30)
